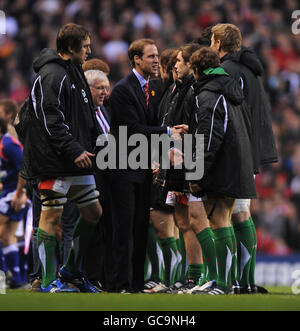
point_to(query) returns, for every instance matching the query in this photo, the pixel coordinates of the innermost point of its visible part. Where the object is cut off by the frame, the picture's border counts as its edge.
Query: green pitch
(280, 298)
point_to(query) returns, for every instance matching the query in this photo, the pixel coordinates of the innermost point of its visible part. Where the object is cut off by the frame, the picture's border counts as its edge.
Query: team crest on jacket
(84, 96)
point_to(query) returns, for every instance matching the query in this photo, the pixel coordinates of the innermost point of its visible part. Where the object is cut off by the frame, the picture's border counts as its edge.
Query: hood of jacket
(46, 56)
(217, 80)
(248, 58)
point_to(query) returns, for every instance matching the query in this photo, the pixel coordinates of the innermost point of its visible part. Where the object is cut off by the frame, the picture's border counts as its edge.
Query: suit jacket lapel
(138, 91)
(151, 110)
(141, 96)
(105, 113)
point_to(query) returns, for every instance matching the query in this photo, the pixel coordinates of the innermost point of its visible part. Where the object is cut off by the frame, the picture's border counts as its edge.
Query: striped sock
(46, 247)
(2, 260)
(253, 256)
(184, 260)
(196, 273)
(169, 250)
(244, 235)
(234, 256)
(207, 241)
(224, 250)
(155, 255)
(11, 254)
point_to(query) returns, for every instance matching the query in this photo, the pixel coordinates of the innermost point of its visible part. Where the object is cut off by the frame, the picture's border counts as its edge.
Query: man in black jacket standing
(228, 169)
(243, 66)
(175, 178)
(132, 104)
(59, 142)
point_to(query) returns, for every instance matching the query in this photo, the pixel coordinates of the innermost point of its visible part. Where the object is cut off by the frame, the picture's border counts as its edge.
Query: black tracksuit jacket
(245, 68)
(177, 111)
(59, 122)
(221, 117)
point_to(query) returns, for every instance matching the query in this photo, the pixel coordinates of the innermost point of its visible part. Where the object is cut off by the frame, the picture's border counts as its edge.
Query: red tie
(146, 91)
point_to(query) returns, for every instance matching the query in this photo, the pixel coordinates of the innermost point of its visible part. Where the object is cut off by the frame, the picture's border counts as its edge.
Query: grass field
(280, 298)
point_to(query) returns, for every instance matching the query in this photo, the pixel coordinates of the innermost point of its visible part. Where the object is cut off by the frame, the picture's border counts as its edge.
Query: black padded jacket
(58, 122)
(245, 68)
(220, 116)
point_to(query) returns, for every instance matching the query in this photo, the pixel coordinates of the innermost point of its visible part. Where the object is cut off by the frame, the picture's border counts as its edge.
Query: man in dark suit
(133, 105)
(98, 258)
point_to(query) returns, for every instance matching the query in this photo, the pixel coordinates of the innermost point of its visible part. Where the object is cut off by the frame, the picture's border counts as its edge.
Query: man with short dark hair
(8, 111)
(59, 143)
(132, 101)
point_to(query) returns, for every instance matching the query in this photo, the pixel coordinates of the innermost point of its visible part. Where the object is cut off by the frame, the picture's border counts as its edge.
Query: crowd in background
(32, 25)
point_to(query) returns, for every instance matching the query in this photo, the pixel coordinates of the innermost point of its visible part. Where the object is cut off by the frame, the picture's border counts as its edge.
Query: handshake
(177, 131)
(175, 155)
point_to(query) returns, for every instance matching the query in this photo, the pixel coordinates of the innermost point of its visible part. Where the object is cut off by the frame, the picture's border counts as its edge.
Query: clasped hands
(175, 155)
(179, 130)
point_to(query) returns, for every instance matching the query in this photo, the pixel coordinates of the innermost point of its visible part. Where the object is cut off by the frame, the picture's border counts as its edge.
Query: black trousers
(98, 262)
(130, 203)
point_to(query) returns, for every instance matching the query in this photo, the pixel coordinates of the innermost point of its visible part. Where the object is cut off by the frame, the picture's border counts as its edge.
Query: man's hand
(178, 131)
(176, 157)
(18, 200)
(83, 160)
(155, 171)
(183, 127)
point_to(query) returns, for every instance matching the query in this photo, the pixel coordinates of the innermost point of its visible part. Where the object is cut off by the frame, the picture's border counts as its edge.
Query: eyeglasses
(101, 88)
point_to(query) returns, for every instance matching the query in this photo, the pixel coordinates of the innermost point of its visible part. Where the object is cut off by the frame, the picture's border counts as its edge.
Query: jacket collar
(188, 80)
(138, 90)
(140, 78)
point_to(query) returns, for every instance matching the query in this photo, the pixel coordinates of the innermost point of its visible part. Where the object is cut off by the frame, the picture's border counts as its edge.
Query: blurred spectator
(146, 18)
(116, 46)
